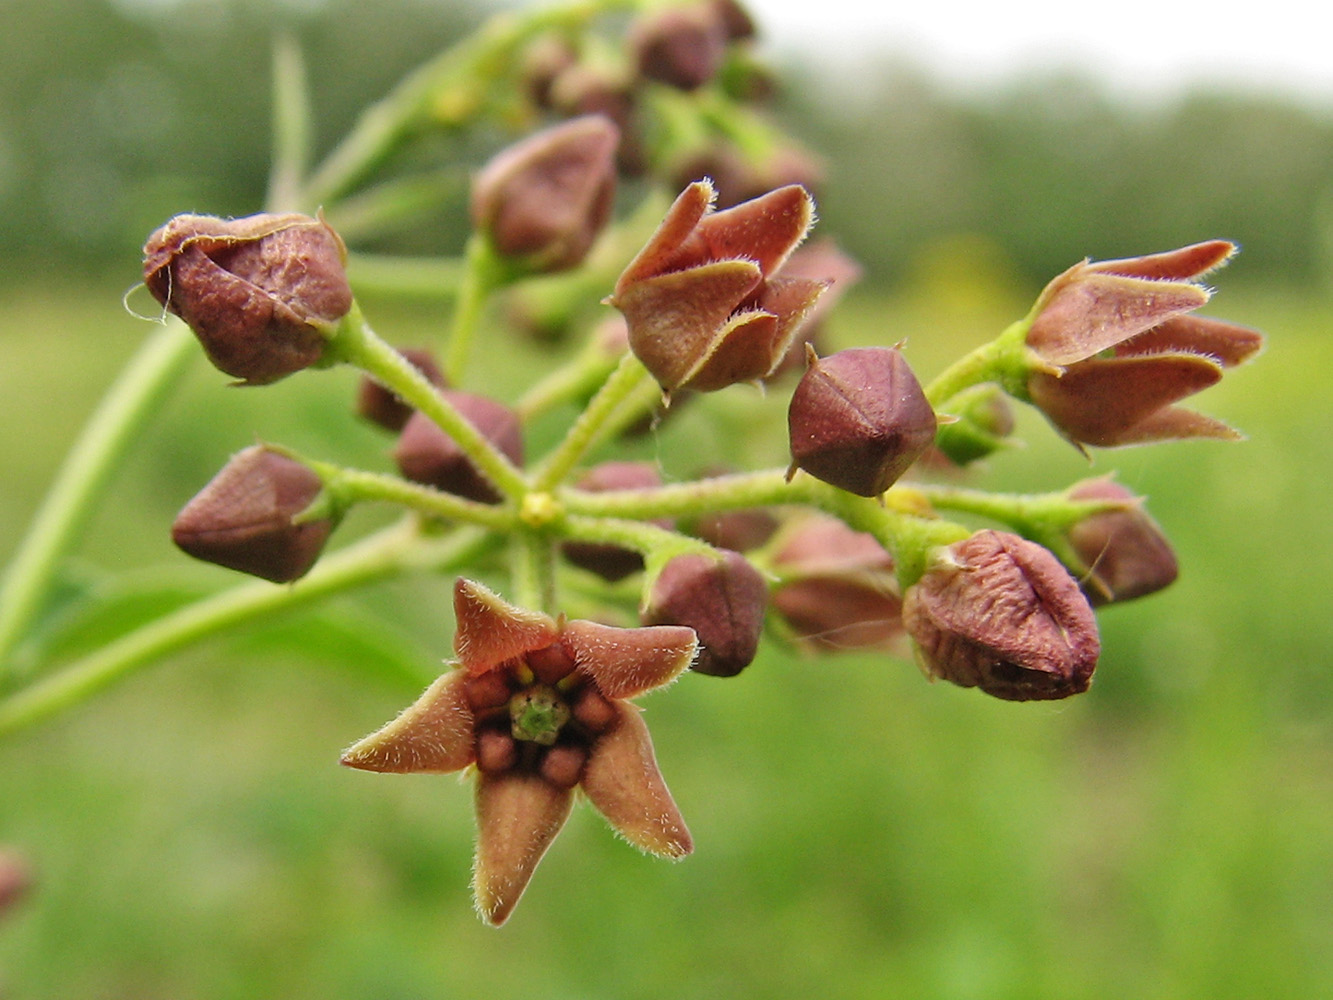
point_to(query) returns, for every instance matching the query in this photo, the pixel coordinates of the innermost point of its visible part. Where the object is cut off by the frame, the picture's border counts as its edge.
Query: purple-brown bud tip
(612, 562)
(1001, 613)
(543, 201)
(243, 519)
(259, 292)
(723, 598)
(425, 454)
(680, 46)
(858, 419)
(1124, 550)
(381, 406)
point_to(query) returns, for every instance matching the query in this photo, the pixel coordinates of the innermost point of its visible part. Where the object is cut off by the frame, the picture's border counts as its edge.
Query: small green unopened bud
(259, 292)
(858, 419)
(243, 519)
(983, 422)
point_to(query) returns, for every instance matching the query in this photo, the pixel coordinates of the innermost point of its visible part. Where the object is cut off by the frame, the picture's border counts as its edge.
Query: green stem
(416, 277)
(134, 398)
(447, 90)
(629, 374)
(354, 342)
(384, 554)
(533, 564)
(1002, 360)
(578, 379)
(291, 126)
(355, 485)
(483, 272)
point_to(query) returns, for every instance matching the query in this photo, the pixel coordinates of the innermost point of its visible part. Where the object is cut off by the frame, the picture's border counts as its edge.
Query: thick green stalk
(384, 554)
(483, 272)
(132, 400)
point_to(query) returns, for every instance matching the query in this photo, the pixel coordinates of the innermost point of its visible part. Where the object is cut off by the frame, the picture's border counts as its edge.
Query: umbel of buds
(1115, 347)
(858, 419)
(704, 300)
(722, 597)
(543, 201)
(1001, 613)
(245, 518)
(259, 292)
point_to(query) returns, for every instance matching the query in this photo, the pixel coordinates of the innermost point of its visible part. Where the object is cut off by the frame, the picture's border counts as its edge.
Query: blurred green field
(859, 832)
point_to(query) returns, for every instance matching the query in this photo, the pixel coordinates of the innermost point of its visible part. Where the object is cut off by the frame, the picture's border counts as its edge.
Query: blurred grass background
(859, 832)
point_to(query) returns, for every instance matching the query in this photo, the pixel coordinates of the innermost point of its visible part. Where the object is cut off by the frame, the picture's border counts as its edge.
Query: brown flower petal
(622, 780)
(518, 815)
(627, 662)
(433, 735)
(491, 630)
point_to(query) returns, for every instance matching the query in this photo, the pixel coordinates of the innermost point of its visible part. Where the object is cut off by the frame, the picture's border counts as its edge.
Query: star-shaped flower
(1115, 346)
(704, 300)
(540, 707)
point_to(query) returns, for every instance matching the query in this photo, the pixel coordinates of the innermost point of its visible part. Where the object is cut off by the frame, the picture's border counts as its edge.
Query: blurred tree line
(115, 114)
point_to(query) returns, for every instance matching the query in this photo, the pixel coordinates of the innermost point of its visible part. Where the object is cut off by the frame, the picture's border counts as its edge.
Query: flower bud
(1001, 613)
(983, 420)
(259, 292)
(682, 47)
(425, 454)
(382, 406)
(838, 589)
(858, 419)
(722, 598)
(543, 201)
(612, 562)
(243, 519)
(1125, 552)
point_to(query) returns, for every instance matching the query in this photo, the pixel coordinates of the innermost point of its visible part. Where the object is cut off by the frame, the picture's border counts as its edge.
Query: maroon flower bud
(15, 879)
(259, 292)
(543, 201)
(382, 406)
(612, 562)
(1001, 613)
(680, 46)
(542, 63)
(858, 419)
(426, 454)
(722, 598)
(243, 519)
(1124, 551)
(738, 530)
(703, 300)
(837, 586)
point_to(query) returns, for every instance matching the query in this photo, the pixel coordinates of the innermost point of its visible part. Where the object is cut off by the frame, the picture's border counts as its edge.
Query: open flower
(1115, 347)
(704, 300)
(540, 707)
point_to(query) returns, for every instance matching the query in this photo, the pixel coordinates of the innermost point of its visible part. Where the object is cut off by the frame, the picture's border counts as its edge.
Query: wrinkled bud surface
(1125, 552)
(540, 707)
(838, 588)
(425, 454)
(612, 562)
(258, 291)
(858, 419)
(680, 46)
(381, 406)
(545, 200)
(704, 302)
(1114, 346)
(243, 518)
(1001, 613)
(721, 599)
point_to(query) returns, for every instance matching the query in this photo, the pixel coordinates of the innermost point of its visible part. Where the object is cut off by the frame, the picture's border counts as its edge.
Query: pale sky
(1139, 46)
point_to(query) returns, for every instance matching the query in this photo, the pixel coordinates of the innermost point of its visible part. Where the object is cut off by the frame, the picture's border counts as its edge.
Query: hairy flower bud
(722, 598)
(426, 454)
(858, 419)
(1125, 552)
(837, 586)
(259, 292)
(612, 562)
(543, 201)
(243, 519)
(1001, 613)
(382, 406)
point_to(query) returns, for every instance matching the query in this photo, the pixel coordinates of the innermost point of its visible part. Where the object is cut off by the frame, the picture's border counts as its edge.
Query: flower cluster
(866, 539)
